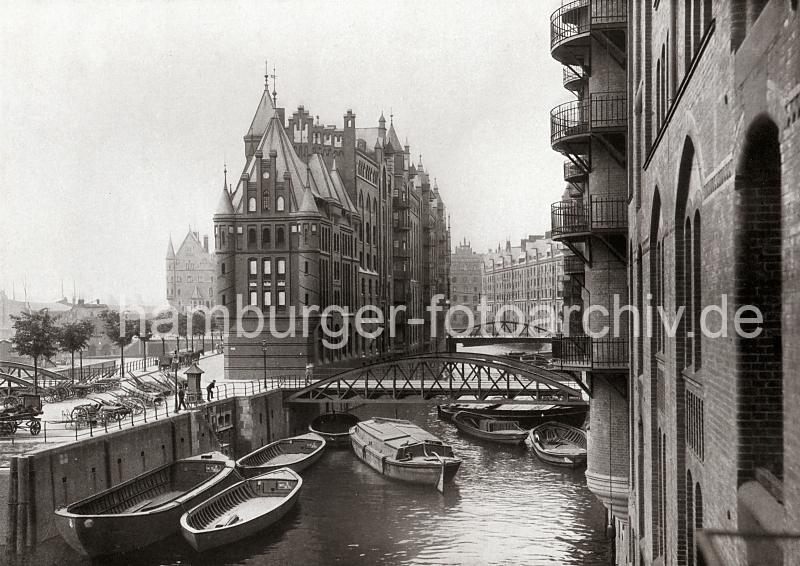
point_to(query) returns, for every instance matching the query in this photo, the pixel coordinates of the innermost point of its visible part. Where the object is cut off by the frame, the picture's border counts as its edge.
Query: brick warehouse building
(714, 208)
(315, 220)
(589, 37)
(712, 442)
(528, 277)
(466, 267)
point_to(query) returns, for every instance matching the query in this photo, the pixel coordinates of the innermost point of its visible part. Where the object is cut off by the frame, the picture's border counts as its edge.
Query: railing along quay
(62, 431)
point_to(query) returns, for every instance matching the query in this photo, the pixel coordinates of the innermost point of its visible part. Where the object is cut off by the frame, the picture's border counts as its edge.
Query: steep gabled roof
(264, 112)
(307, 205)
(393, 140)
(344, 196)
(286, 160)
(224, 205)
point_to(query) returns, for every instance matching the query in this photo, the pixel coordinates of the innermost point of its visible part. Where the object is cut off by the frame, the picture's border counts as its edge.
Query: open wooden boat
(502, 431)
(242, 510)
(334, 428)
(145, 509)
(401, 450)
(559, 444)
(528, 416)
(296, 453)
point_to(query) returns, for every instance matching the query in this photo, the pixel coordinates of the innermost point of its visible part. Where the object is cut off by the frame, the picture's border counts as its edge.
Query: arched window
(251, 204)
(758, 283)
(280, 236)
(266, 237)
(697, 295)
(280, 205)
(251, 237)
(368, 233)
(265, 200)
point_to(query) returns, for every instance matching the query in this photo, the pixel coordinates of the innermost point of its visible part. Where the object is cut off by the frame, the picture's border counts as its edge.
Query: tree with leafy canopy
(120, 330)
(35, 335)
(74, 336)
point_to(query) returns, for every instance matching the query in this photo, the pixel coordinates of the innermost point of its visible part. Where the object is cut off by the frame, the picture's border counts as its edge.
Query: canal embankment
(47, 477)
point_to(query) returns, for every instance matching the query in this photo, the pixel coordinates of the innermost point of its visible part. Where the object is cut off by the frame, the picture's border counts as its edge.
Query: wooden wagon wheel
(65, 392)
(136, 406)
(35, 426)
(8, 427)
(50, 395)
(80, 416)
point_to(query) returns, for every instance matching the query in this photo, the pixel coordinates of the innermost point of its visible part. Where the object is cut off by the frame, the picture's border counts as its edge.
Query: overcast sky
(116, 118)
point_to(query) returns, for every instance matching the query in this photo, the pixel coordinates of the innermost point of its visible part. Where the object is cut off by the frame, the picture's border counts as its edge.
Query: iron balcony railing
(572, 79)
(402, 253)
(400, 202)
(577, 18)
(401, 223)
(573, 172)
(573, 265)
(601, 111)
(590, 353)
(597, 214)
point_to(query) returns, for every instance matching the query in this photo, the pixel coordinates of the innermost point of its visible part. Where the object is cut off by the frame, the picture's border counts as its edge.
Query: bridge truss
(453, 376)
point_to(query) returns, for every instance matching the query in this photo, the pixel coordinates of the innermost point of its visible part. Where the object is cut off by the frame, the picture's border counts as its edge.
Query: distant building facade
(466, 270)
(324, 216)
(190, 273)
(528, 277)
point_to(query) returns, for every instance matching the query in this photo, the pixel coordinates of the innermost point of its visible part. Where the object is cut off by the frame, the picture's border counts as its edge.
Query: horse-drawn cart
(24, 414)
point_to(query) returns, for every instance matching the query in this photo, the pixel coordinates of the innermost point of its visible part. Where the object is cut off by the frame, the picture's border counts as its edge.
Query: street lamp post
(264, 351)
(175, 364)
(163, 346)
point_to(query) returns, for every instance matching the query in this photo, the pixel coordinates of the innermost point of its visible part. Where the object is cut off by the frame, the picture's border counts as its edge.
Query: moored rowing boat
(242, 510)
(296, 453)
(501, 431)
(559, 444)
(145, 509)
(334, 428)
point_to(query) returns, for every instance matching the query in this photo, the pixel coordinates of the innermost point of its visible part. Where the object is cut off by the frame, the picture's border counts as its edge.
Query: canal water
(506, 507)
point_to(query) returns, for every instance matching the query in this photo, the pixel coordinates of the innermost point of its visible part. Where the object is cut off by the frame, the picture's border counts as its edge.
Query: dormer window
(251, 204)
(280, 204)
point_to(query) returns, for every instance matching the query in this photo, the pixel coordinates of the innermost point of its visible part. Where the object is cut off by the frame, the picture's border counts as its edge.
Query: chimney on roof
(205, 243)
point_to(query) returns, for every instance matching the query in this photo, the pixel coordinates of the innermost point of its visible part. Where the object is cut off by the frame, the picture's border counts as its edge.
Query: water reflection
(506, 508)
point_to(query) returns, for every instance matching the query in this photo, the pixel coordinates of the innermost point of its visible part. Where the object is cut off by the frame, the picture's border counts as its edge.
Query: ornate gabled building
(312, 222)
(190, 273)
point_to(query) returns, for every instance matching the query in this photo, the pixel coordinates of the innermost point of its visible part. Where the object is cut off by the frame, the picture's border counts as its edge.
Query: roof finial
(274, 86)
(225, 172)
(391, 116)
(266, 76)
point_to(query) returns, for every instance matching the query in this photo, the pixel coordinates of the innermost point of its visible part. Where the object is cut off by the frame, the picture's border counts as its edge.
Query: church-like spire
(170, 249)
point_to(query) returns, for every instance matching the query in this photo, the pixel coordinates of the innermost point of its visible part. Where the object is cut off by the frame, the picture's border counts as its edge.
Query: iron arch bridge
(425, 377)
(500, 331)
(24, 374)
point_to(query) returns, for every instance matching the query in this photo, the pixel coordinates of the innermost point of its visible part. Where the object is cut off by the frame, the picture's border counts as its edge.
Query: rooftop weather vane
(274, 86)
